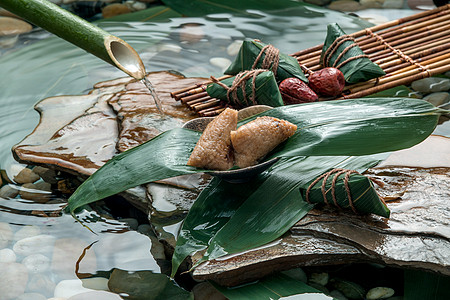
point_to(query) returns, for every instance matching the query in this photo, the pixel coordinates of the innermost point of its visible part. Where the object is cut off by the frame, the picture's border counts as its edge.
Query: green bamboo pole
(79, 32)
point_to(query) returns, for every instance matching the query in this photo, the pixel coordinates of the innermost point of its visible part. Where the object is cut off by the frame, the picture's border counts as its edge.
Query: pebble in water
(379, 293)
(9, 191)
(69, 288)
(431, 85)
(319, 278)
(36, 263)
(31, 296)
(234, 47)
(13, 278)
(438, 98)
(26, 232)
(97, 295)
(26, 176)
(41, 283)
(220, 62)
(6, 234)
(7, 256)
(42, 244)
(96, 283)
(48, 175)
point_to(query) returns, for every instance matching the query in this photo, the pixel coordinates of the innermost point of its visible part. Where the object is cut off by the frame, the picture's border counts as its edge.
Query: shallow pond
(55, 250)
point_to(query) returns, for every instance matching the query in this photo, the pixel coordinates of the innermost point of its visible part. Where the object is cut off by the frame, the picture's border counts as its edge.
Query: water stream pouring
(83, 34)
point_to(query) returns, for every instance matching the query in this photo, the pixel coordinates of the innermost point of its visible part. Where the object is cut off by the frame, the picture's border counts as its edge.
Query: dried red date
(294, 91)
(328, 82)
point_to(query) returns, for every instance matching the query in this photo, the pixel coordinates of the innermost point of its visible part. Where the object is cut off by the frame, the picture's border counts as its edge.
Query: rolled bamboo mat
(407, 49)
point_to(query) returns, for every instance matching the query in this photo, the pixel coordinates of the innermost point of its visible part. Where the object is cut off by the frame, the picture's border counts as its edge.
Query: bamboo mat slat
(407, 49)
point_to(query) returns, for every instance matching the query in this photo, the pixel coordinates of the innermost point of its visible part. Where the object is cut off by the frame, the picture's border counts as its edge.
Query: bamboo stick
(193, 97)
(421, 61)
(213, 113)
(194, 89)
(394, 59)
(207, 104)
(192, 102)
(79, 32)
(190, 92)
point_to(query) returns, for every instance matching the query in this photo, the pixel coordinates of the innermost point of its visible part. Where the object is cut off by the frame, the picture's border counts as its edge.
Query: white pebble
(379, 293)
(168, 47)
(36, 244)
(26, 232)
(13, 279)
(97, 295)
(69, 288)
(6, 234)
(36, 263)
(96, 283)
(234, 47)
(221, 62)
(7, 256)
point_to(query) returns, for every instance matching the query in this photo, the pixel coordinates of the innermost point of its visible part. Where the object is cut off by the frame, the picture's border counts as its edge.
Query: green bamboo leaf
(325, 128)
(271, 287)
(275, 194)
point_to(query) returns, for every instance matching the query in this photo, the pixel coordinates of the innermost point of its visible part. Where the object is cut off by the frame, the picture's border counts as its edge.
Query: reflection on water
(46, 251)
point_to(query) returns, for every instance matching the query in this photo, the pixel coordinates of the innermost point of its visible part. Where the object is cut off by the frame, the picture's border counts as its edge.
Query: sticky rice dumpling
(256, 139)
(213, 150)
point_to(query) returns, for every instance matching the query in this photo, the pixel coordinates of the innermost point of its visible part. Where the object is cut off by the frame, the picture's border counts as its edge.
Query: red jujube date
(294, 91)
(328, 82)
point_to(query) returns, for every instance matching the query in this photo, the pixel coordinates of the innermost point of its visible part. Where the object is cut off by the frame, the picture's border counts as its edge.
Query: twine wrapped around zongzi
(341, 51)
(247, 88)
(257, 55)
(346, 189)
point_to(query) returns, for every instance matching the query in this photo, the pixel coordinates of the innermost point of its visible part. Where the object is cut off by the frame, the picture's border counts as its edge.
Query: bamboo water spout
(79, 32)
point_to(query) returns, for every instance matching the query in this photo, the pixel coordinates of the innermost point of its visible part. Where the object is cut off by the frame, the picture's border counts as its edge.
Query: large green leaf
(227, 219)
(346, 127)
(272, 287)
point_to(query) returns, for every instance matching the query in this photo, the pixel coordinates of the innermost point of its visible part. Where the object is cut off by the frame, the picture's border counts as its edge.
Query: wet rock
(69, 288)
(431, 85)
(415, 236)
(26, 176)
(97, 295)
(205, 291)
(26, 232)
(337, 295)
(379, 293)
(48, 175)
(221, 62)
(115, 9)
(345, 5)
(6, 234)
(9, 191)
(7, 256)
(67, 252)
(234, 47)
(36, 263)
(41, 283)
(438, 99)
(31, 296)
(157, 249)
(42, 244)
(350, 289)
(319, 278)
(12, 26)
(32, 191)
(14, 277)
(95, 283)
(146, 229)
(140, 284)
(132, 223)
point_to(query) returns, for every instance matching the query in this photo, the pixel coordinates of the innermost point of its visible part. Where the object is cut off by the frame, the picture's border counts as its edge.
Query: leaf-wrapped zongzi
(257, 55)
(340, 51)
(346, 189)
(247, 88)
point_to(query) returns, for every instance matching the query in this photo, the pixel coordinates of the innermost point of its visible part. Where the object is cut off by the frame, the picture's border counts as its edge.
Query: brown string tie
(333, 48)
(325, 176)
(398, 52)
(272, 57)
(239, 82)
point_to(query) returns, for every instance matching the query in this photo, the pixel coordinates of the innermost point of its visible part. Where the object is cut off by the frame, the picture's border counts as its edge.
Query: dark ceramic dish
(237, 175)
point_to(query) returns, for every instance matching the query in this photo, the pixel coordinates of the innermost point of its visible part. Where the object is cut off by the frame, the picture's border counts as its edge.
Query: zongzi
(246, 89)
(257, 55)
(256, 139)
(213, 150)
(341, 52)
